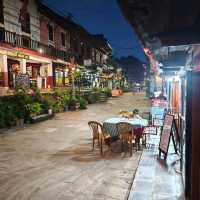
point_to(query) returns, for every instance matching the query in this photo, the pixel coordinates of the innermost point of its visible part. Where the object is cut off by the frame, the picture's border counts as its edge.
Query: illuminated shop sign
(18, 54)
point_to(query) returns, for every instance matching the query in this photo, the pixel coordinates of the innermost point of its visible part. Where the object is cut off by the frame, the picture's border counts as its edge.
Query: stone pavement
(53, 159)
(156, 179)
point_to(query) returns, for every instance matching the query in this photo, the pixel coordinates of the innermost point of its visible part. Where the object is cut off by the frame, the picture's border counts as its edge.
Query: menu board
(22, 80)
(166, 133)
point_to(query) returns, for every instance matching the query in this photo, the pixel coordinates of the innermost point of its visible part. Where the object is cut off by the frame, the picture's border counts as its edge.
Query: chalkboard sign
(22, 80)
(167, 133)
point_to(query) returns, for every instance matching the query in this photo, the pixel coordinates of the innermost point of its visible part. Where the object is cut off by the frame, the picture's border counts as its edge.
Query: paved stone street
(53, 159)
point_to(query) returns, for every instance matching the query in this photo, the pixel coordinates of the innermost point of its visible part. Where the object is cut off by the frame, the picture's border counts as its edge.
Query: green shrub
(22, 99)
(36, 97)
(107, 91)
(34, 108)
(92, 98)
(62, 98)
(83, 103)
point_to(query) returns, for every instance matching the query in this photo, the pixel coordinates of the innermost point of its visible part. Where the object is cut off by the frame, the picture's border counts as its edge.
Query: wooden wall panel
(195, 137)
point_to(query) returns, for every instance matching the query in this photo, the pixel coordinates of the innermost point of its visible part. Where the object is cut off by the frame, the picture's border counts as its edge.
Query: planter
(102, 97)
(116, 93)
(66, 108)
(74, 107)
(77, 106)
(20, 122)
(33, 115)
(50, 111)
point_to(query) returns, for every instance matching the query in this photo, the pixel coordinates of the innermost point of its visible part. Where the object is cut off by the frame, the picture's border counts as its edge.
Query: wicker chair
(99, 135)
(96, 131)
(126, 134)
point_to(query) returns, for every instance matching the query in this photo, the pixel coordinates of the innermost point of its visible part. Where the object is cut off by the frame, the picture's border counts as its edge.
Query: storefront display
(13, 71)
(33, 70)
(60, 75)
(175, 97)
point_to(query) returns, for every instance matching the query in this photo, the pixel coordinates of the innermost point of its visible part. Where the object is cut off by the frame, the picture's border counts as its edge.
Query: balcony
(21, 41)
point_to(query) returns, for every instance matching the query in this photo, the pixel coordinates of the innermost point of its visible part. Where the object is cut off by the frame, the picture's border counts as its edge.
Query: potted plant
(47, 103)
(20, 115)
(34, 109)
(74, 104)
(65, 101)
(83, 103)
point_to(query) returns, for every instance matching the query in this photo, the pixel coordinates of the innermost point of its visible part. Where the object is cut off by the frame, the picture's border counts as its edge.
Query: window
(24, 19)
(1, 12)
(50, 29)
(63, 39)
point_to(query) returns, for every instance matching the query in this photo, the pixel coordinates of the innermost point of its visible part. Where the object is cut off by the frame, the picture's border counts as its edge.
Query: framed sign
(167, 133)
(22, 80)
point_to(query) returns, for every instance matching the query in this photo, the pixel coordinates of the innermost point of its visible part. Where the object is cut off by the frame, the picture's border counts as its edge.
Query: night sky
(102, 17)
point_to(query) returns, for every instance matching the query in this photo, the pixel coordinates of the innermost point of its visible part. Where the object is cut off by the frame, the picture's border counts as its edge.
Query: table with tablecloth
(111, 128)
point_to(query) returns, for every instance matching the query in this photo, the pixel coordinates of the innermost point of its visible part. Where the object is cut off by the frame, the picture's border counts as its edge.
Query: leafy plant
(73, 101)
(22, 99)
(83, 103)
(107, 91)
(36, 97)
(34, 108)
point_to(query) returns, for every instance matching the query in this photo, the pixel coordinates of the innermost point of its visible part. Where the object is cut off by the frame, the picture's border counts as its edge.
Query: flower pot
(77, 106)
(33, 115)
(20, 122)
(66, 108)
(72, 107)
(50, 111)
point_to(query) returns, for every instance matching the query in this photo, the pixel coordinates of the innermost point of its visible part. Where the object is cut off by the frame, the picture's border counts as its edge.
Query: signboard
(166, 134)
(160, 103)
(22, 80)
(18, 54)
(88, 62)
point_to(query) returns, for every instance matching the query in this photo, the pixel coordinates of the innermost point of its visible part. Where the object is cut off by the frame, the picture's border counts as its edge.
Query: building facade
(42, 46)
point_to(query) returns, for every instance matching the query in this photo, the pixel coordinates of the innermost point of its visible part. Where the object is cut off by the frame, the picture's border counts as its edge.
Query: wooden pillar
(193, 138)
(4, 69)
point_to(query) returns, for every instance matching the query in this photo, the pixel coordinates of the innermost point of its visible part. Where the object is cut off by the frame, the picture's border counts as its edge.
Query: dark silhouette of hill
(132, 67)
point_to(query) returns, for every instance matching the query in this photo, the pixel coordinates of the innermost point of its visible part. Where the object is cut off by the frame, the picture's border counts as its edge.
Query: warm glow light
(40, 50)
(176, 78)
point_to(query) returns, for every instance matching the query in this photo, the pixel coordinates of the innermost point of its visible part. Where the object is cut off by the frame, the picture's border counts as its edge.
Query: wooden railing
(17, 40)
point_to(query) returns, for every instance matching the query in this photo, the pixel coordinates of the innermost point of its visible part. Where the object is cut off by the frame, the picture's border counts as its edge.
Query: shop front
(38, 74)
(13, 71)
(39, 70)
(60, 75)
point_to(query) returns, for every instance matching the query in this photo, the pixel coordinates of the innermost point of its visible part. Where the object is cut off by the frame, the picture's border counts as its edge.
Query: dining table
(110, 125)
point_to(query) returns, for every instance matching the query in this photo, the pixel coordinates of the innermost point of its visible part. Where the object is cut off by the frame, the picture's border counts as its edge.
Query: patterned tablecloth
(110, 124)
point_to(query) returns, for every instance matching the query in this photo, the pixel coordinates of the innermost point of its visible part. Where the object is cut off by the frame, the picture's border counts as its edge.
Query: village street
(54, 159)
